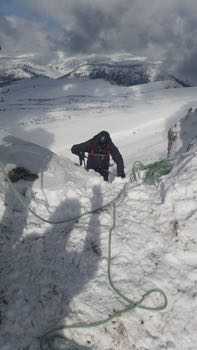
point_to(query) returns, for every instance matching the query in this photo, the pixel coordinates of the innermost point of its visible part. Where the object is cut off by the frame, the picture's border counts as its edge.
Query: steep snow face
(57, 273)
(54, 274)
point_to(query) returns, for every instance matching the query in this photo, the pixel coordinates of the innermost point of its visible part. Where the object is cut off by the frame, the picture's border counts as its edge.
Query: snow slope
(53, 274)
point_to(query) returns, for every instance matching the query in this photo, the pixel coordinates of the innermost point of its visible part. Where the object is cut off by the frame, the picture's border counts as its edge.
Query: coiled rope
(49, 337)
(54, 333)
(152, 171)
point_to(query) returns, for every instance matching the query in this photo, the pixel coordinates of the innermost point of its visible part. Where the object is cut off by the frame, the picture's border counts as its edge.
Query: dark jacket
(99, 150)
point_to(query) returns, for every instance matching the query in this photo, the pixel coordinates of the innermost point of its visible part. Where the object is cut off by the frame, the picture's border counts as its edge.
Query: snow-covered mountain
(55, 274)
(125, 70)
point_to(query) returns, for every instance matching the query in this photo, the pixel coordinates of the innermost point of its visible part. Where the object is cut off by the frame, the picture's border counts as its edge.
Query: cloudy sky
(156, 28)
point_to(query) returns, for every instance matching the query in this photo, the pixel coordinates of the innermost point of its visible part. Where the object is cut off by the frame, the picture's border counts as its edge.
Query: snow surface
(54, 274)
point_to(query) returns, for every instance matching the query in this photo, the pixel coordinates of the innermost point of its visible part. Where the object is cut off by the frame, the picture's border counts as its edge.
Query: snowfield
(56, 274)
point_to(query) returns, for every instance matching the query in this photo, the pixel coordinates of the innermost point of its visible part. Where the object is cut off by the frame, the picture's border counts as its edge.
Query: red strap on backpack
(93, 151)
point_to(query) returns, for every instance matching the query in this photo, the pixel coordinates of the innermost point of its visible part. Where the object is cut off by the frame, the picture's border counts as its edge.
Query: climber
(99, 149)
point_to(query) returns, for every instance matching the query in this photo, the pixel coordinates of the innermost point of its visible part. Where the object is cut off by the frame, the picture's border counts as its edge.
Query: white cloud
(18, 36)
(154, 27)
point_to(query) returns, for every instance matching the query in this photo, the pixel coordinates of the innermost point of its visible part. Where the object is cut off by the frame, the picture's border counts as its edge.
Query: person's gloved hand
(122, 174)
(82, 155)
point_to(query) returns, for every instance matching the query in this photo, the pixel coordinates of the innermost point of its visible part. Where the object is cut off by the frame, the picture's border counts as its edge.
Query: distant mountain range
(125, 70)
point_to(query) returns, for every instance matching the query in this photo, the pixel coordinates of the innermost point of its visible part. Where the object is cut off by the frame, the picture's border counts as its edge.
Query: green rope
(62, 221)
(152, 172)
(50, 336)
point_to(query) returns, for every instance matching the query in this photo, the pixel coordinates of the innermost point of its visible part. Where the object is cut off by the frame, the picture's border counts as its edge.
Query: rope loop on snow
(63, 221)
(53, 334)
